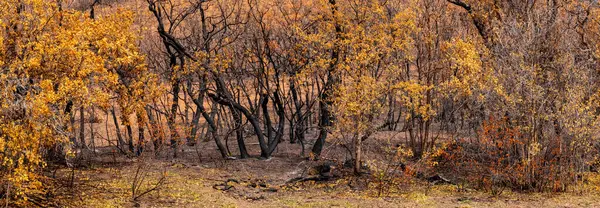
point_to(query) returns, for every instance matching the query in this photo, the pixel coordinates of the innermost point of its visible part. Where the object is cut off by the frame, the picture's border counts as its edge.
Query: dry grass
(106, 182)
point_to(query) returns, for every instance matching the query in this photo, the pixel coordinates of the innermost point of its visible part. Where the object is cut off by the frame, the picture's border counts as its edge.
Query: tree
(52, 60)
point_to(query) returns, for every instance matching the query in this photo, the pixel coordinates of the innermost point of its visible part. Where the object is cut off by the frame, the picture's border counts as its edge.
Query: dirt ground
(199, 178)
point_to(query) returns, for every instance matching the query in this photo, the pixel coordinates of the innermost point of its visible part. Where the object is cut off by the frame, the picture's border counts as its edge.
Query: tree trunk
(191, 140)
(298, 127)
(82, 128)
(173, 114)
(155, 132)
(72, 136)
(130, 135)
(324, 124)
(280, 109)
(267, 118)
(92, 133)
(264, 149)
(212, 127)
(357, 154)
(120, 141)
(239, 132)
(141, 138)
(325, 97)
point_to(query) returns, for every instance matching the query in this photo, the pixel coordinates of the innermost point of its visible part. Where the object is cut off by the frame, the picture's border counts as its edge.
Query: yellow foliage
(50, 60)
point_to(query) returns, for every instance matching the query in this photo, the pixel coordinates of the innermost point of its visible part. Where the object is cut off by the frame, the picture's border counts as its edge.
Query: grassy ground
(190, 182)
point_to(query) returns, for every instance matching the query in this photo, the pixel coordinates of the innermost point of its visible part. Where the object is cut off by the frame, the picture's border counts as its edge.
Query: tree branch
(461, 4)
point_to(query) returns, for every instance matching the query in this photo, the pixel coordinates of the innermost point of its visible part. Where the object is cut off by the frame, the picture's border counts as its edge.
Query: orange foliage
(501, 157)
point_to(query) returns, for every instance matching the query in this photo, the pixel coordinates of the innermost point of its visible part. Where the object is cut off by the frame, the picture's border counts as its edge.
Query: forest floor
(199, 178)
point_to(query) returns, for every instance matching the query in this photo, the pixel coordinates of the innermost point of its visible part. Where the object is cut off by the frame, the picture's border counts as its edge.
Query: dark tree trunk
(325, 97)
(264, 148)
(264, 101)
(92, 133)
(155, 132)
(82, 128)
(120, 141)
(280, 109)
(141, 138)
(298, 127)
(191, 140)
(72, 135)
(239, 132)
(130, 135)
(175, 87)
(212, 127)
(324, 120)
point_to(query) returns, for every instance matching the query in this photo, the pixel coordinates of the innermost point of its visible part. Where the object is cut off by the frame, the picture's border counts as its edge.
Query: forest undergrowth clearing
(214, 182)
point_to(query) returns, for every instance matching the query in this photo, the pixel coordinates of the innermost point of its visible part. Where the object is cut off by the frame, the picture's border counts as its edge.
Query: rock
(222, 187)
(350, 164)
(232, 180)
(462, 199)
(435, 179)
(255, 197)
(225, 185)
(271, 189)
(324, 170)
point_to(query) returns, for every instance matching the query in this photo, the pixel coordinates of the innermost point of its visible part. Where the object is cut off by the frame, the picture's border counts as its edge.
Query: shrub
(501, 157)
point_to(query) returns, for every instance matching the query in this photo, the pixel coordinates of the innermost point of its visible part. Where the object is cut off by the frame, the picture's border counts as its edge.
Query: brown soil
(197, 179)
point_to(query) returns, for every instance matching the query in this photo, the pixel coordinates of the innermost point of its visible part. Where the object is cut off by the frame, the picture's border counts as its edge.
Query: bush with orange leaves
(501, 157)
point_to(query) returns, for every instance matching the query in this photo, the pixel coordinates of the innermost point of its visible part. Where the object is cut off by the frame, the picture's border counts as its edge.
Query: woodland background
(375, 96)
